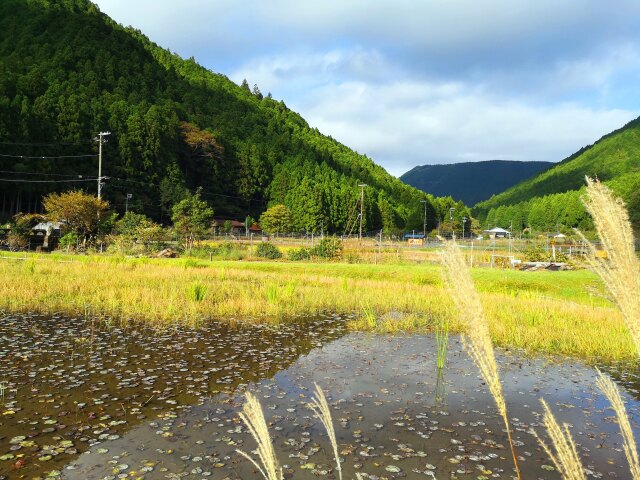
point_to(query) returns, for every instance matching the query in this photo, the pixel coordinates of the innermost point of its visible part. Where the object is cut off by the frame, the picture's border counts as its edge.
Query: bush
(268, 250)
(223, 251)
(69, 240)
(329, 248)
(541, 254)
(299, 254)
(17, 242)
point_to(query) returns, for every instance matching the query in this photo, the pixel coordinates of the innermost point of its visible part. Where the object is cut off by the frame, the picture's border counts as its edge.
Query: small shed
(498, 232)
(255, 229)
(414, 238)
(237, 228)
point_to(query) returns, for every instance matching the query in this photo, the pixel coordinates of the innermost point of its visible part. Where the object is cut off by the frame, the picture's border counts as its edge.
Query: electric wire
(27, 157)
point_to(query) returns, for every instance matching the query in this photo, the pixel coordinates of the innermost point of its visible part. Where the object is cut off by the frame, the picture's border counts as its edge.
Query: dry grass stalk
(630, 449)
(320, 407)
(480, 348)
(620, 271)
(564, 455)
(253, 418)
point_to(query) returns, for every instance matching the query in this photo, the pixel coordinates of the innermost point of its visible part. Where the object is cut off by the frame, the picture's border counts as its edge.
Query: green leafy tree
(137, 227)
(276, 219)
(192, 218)
(86, 215)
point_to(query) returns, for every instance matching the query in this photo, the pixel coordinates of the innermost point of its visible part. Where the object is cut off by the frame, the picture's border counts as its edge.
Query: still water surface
(142, 404)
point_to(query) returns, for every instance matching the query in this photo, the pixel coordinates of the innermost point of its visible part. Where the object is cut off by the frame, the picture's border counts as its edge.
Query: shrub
(328, 247)
(541, 254)
(268, 250)
(17, 242)
(298, 254)
(69, 240)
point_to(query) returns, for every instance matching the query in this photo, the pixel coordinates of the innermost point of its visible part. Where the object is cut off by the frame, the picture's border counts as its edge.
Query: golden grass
(471, 314)
(553, 312)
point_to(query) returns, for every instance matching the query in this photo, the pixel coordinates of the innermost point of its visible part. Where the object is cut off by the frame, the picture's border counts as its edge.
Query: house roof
(234, 223)
(47, 225)
(497, 230)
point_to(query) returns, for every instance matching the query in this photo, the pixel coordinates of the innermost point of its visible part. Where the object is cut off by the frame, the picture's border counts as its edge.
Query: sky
(414, 82)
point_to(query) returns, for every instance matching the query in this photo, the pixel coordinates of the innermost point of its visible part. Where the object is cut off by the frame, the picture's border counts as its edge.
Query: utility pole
(464, 220)
(100, 141)
(453, 231)
(424, 223)
(126, 204)
(362, 185)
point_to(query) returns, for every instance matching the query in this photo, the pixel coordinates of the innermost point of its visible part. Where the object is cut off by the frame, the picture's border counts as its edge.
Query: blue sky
(411, 82)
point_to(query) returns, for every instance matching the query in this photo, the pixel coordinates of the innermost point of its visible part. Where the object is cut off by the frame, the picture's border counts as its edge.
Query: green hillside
(551, 200)
(67, 72)
(471, 182)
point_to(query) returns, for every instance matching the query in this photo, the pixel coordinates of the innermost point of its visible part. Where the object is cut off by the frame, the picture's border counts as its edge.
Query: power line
(22, 180)
(26, 157)
(47, 144)
(42, 174)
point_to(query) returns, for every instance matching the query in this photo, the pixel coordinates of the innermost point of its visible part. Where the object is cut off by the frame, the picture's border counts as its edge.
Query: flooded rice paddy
(68, 384)
(88, 402)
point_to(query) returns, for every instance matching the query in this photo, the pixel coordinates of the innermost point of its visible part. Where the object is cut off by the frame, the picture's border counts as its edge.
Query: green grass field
(555, 312)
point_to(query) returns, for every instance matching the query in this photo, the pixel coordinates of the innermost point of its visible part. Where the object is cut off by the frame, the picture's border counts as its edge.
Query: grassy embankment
(556, 312)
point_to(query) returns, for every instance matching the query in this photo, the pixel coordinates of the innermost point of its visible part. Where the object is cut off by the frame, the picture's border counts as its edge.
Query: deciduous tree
(276, 219)
(192, 217)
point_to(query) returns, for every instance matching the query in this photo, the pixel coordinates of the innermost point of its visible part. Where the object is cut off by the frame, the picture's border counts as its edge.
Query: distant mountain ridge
(471, 182)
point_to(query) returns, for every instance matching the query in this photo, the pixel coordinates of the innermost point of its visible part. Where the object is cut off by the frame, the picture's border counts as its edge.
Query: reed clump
(442, 342)
(320, 408)
(620, 270)
(563, 452)
(253, 418)
(197, 292)
(479, 344)
(629, 444)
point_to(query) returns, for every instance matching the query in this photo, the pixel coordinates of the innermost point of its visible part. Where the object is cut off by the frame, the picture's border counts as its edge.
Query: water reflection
(391, 418)
(69, 384)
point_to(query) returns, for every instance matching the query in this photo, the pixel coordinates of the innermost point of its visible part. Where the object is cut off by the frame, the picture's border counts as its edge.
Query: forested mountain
(67, 72)
(551, 199)
(471, 182)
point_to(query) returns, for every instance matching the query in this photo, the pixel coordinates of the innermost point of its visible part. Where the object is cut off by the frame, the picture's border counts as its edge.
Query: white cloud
(416, 81)
(446, 123)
